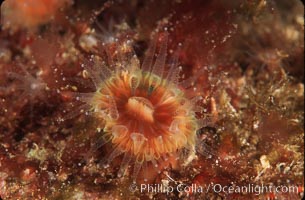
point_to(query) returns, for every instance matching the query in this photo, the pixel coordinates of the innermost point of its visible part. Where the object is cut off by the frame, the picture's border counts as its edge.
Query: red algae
(151, 100)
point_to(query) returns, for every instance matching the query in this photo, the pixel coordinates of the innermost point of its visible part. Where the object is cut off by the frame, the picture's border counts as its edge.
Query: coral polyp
(148, 116)
(31, 86)
(29, 14)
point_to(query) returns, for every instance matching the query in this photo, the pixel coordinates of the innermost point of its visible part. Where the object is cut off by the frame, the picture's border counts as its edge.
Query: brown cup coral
(148, 113)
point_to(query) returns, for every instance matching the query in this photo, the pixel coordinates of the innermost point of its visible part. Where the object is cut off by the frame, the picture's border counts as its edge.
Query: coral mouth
(140, 108)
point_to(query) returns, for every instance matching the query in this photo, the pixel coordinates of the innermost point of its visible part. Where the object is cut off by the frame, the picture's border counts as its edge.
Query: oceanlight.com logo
(170, 186)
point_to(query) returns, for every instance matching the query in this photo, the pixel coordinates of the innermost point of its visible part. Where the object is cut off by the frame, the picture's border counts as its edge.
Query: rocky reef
(180, 99)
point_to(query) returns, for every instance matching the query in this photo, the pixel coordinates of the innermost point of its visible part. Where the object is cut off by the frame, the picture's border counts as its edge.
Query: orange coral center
(151, 116)
(140, 108)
